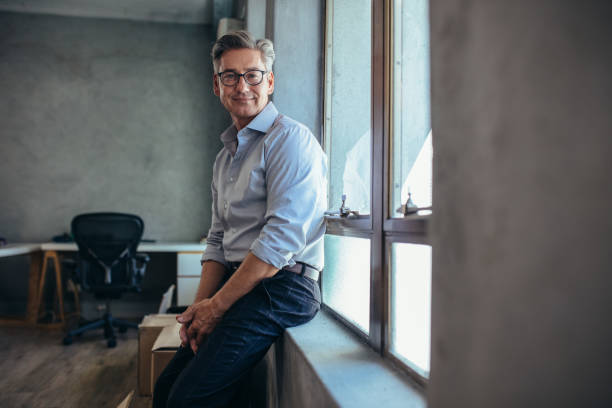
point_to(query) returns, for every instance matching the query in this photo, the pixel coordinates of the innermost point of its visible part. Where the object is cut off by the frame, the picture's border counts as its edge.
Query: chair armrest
(139, 264)
(144, 258)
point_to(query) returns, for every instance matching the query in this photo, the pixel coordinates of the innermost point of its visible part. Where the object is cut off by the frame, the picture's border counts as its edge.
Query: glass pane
(411, 304)
(346, 278)
(412, 145)
(347, 103)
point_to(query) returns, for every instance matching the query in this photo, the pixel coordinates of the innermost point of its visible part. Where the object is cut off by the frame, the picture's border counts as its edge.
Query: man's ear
(270, 83)
(216, 89)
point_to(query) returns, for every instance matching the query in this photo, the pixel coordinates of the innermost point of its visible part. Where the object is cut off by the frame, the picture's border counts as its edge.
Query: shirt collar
(261, 123)
(265, 119)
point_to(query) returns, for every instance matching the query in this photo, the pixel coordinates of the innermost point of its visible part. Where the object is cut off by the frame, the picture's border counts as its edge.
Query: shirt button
(225, 205)
(231, 179)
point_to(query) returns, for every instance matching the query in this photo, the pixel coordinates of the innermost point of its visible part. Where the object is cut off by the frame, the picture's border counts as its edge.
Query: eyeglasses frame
(219, 74)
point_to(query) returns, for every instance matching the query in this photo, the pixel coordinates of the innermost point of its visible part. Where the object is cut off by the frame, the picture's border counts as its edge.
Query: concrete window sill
(349, 371)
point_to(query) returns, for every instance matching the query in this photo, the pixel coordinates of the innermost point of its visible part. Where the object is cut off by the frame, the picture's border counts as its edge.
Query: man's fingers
(186, 316)
(192, 331)
(183, 335)
(194, 345)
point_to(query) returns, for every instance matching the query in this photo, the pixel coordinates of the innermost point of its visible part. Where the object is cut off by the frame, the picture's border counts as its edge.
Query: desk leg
(51, 256)
(33, 282)
(58, 281)
(41, 283)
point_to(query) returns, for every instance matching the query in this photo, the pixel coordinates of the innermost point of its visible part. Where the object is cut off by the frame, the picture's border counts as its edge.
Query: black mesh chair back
(108, 264)
(107, 245)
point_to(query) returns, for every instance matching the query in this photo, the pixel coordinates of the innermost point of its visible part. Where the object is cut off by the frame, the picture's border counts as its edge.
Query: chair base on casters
(108, 322)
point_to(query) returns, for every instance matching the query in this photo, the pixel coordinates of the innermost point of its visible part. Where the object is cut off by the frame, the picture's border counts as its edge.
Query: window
(412, 145)
(348, 290)
(378, 138)
(410, 319)
(348, 102)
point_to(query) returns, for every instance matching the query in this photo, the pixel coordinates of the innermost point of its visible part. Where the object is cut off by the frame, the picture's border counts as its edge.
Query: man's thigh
(242, 338)
(236, 344)
(169, 376)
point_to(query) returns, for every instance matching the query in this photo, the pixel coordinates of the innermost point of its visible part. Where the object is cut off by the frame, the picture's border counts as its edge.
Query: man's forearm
(252, 271)
(210, 280)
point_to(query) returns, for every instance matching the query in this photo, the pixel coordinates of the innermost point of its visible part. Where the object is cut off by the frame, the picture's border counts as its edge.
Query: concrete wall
(255, 11)
(522, 280)
(296, 29)
(105, 115)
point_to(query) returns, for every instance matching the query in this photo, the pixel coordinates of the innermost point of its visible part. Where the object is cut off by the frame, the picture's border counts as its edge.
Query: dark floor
(38, 371)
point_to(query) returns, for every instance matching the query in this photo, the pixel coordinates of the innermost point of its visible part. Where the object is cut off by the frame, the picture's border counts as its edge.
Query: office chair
(108, 264)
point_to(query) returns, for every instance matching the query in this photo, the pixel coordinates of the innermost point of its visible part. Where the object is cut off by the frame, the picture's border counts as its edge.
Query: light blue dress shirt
(269, 194)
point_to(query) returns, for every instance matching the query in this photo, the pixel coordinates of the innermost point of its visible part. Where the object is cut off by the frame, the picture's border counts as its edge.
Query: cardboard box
(148, 330)
(163, 350)
(127, 402)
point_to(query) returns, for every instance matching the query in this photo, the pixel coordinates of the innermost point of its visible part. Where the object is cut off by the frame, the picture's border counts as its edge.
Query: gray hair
(242, 39)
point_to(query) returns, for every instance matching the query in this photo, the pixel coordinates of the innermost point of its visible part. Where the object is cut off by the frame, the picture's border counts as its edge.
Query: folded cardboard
(163, 350)
(148, 330)
(127, 402)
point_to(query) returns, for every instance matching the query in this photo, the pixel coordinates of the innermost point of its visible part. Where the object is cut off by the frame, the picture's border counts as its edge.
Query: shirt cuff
(269, 255)
(214, 255)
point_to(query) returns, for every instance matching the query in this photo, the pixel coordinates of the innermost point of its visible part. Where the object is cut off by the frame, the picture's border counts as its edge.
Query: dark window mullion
(379, 129)
(338, 223)
(411, 224)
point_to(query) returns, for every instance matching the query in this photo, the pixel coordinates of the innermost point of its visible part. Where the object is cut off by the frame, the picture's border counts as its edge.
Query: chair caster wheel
(122, 329)
(111, 343)
(67, 340)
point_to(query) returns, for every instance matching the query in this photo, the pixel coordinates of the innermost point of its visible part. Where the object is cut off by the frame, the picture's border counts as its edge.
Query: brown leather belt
(300, 268)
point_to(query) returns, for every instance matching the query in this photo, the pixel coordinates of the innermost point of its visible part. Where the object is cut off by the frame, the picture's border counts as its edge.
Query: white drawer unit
(188, 271)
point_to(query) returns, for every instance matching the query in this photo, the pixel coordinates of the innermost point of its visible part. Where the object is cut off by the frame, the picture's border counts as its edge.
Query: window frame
(380, 226)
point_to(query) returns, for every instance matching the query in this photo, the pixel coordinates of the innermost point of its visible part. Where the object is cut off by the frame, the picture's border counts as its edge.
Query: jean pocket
(292, 298)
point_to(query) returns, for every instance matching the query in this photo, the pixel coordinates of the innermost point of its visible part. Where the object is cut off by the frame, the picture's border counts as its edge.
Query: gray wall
(522, 280)
(105, 115)
(296, 29)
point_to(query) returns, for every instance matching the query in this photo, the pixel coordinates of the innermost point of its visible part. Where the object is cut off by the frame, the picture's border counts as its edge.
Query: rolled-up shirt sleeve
(296, 189)
(214, 239)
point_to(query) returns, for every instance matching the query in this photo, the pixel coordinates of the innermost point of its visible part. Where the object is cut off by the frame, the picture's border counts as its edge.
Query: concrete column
(522, 268)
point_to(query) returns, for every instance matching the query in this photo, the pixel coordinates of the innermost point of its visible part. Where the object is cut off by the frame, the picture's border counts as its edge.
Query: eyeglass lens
(230, 78)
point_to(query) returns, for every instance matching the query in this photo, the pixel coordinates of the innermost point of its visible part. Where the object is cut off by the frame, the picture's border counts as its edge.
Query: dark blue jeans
(211, 377)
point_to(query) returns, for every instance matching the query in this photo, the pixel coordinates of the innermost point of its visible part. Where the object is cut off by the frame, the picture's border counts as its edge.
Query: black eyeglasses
(252, 77)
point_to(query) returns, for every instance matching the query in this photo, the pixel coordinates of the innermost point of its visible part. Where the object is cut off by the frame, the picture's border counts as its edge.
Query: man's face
(243, 101)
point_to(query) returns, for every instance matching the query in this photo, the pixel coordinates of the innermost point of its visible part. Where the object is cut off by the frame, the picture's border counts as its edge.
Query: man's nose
(242, 85)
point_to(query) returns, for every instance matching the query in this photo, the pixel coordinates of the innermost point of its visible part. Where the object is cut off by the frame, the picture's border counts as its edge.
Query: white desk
(188, 271)
(142, 247)
(18, 249)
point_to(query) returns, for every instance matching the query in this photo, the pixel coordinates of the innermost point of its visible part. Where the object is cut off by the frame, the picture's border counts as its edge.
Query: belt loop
(303, 269)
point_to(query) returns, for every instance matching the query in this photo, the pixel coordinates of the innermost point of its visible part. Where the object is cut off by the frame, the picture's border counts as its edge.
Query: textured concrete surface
(521, 106)
(323, 365)
(184, 11)
(298, 43)
(105, 115)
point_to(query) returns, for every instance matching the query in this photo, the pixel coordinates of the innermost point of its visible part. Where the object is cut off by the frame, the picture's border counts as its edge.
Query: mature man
(265, 244)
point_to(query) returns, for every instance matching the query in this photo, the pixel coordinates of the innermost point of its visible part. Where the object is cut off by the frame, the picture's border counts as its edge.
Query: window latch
(343, 211)
(410, 207)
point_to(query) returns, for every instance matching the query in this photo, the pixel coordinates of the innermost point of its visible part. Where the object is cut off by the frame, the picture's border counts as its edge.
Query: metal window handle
(410, 207)
(343, 211)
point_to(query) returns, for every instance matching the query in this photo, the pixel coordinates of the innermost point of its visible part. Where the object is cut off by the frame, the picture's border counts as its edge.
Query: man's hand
(197, 321)
(202, 316)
